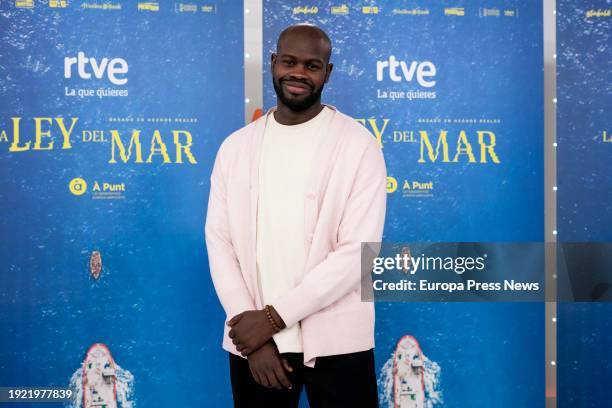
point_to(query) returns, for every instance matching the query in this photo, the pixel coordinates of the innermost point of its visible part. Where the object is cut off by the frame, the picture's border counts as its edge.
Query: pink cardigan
(345, 203)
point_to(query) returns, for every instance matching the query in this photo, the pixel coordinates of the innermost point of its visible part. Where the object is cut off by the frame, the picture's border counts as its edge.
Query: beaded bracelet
(271, 319)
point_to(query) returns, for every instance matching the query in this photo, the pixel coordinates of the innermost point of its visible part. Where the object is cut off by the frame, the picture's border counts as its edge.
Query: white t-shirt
(288, 153)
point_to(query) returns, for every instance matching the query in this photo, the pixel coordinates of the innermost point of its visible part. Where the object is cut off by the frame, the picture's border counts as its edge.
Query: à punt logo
(99, 189)
(77, 186)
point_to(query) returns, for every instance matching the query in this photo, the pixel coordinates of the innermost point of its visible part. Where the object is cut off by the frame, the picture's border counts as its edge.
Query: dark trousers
(345, 380)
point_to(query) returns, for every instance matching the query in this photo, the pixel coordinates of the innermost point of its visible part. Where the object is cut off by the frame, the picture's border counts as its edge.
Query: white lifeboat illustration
(408, 369)
(99, 378)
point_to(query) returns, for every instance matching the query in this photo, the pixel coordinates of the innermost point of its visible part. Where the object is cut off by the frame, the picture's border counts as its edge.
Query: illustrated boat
(95, 264)
(99, 378)
(408, 376)
(406, 253)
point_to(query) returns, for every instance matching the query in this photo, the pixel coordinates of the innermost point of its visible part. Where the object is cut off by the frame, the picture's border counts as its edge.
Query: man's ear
(329, 69)
(272, 61)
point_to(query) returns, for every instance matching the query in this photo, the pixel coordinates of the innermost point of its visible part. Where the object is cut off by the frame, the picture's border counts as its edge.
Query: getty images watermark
(486, 271)
(457, 271)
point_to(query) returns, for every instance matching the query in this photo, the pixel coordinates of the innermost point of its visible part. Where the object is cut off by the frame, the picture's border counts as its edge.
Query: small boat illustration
(99, 378)
(95, 264)
(408, 377)
(406, 253)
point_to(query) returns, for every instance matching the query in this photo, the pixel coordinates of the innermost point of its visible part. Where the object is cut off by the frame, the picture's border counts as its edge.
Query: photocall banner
(453, 94)
(584, 99)
(112, 113)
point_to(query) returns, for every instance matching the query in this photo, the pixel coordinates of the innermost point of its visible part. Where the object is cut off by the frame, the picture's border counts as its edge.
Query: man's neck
(286, 116)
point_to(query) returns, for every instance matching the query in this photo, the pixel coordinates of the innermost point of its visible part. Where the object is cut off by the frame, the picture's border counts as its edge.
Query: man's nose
(298, 71)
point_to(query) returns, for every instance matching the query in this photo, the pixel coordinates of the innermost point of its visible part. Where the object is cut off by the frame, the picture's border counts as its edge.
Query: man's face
(299, 71)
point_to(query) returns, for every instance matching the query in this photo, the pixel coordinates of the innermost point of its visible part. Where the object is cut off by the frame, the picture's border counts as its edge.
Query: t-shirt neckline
(315, 119)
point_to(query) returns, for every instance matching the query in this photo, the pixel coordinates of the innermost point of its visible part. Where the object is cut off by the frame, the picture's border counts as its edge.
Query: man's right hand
(268, 367)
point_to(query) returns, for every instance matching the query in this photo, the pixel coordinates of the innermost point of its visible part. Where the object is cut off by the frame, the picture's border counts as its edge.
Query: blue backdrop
(488, 78)
(584, 92)
(154, 305)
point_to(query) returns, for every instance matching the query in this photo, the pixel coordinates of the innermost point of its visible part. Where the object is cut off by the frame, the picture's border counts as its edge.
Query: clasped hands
(251, 332)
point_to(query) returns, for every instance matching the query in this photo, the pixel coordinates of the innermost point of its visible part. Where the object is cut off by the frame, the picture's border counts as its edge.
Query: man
(293, 195)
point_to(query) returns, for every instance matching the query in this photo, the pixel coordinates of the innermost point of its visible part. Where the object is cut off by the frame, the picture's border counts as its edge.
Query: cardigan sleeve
(224, 266)
(340, 272)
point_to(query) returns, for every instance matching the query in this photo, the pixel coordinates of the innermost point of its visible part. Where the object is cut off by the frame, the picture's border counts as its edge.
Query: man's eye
(313, 67)
(289, 62)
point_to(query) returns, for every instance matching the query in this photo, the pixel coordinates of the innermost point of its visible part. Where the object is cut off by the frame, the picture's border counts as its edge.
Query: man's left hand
(250, 330)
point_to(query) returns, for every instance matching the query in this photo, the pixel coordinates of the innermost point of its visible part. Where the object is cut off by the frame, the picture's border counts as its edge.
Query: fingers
(256, 377)
(276, 378)
(234, 319)
(286, 365)
(282, 377)
(263, 378)
(272, 380)
(272, 377)
(268, 368)
(244, 350)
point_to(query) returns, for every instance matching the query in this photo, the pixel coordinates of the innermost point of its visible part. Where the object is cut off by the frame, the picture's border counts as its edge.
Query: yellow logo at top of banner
(58, 3)
(598, 13)
(305, 10)
(391, 184)
(208, 9)
(148, 6)
(370, 10)
(77, 186)
(340, 10)
(24, 3)
(454, 11)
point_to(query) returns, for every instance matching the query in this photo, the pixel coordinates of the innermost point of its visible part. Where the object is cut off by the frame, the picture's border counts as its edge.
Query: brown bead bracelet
(271, 319)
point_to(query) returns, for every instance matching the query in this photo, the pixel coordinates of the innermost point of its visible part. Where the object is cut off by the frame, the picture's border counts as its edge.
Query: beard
(297, 105)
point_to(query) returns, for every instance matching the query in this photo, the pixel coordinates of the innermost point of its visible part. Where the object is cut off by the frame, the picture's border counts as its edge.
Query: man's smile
(294, 87)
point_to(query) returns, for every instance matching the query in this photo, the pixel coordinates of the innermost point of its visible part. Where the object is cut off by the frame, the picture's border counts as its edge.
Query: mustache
(301, 81)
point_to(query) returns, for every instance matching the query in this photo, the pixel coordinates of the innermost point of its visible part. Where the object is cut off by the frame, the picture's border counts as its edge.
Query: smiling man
(293, 195)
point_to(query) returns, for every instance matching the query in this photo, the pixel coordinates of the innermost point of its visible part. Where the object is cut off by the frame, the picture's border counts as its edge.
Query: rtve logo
(112, 68)
(423, 70)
